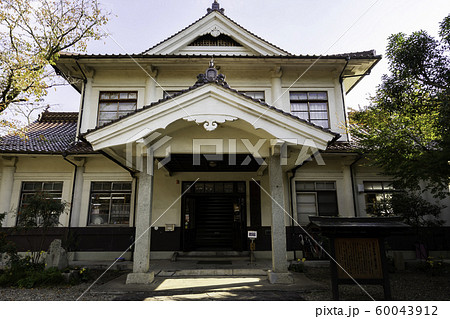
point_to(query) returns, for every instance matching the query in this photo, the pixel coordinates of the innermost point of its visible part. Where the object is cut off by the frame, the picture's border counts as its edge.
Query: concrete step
(211, 256)
(219, 272)
(119, 265)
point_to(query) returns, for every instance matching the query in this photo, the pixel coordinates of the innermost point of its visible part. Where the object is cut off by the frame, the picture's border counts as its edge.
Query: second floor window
(311, 106)
(113, 105)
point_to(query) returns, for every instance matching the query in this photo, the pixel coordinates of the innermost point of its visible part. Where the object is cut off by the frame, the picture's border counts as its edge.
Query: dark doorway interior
(214, 216)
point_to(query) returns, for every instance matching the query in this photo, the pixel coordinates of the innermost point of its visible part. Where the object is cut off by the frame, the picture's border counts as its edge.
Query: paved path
(190, 288)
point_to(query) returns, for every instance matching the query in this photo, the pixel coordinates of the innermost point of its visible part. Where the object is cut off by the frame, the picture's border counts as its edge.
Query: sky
(318, 27)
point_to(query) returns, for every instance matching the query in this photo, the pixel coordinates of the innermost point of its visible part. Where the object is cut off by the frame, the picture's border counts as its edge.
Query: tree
(41, 211)
(405, 129)
(33, 33)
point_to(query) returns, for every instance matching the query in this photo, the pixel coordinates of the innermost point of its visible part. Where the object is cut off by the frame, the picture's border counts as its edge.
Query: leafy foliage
(24, 273)
(32, 35)
(405, 129)
(413, 208)
(41, 211)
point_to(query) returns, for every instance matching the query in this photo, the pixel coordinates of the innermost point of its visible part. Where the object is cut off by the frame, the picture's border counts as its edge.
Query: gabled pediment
(209, 105)
(215, 25)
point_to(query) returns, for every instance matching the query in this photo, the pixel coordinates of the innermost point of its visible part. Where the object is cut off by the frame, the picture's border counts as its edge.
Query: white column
(349, 208)
(276, 88)
(6, 184)
(141, 258)
(89, 116)
(150, 85)
(279, 272)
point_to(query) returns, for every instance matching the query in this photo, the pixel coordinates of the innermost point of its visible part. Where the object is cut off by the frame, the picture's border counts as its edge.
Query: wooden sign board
(360, 257)
(252, 234)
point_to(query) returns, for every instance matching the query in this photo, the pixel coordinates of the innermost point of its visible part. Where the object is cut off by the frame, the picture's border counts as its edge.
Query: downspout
(294, 171)
(82, 97)
(291, 199)
(133, 176)
(341, 80)
(73, 193)
(132, 173)
(291, 205)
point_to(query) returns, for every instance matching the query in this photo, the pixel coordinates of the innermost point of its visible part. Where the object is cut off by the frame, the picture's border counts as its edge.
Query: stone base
(280, 277)
(140, 278)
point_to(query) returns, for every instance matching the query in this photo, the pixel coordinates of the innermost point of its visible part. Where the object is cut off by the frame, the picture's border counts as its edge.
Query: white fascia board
(213, 101)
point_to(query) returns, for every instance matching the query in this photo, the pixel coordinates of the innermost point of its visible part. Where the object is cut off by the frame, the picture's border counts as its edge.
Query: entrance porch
(193, 139)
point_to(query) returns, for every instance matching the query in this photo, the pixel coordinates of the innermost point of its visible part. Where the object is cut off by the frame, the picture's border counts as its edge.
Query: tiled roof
(370, 54)
(52, 133)
(339, 146)
(220, 81)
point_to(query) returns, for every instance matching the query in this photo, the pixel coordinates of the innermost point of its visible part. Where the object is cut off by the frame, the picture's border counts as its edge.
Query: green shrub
(298, 266)
(32, 278)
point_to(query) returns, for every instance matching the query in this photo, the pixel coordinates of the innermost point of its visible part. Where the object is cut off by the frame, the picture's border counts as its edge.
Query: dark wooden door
(214, 222)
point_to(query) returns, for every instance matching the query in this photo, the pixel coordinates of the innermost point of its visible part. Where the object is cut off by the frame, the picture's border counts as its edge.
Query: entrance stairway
(212, 256)
(214, 263)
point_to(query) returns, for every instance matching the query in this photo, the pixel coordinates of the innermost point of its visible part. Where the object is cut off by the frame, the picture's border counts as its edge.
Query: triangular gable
(215, 24)
(209, 104)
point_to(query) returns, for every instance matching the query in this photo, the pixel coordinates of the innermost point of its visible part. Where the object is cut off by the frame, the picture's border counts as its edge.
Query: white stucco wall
(240, 76)
(41, 169)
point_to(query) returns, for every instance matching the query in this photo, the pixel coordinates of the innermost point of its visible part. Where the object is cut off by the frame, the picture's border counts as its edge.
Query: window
(311, 106)
(110, 203)
(257, 95)
(214, 187)
(376, 196)
(113, 105)
(29, 189)
(315, 199)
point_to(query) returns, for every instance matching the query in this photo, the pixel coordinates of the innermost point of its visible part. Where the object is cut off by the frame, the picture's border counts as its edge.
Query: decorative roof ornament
(211, 75)
(215, 32)
(215, 7)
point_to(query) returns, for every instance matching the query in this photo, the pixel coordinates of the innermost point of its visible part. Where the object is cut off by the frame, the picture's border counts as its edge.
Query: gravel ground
(411, 284)
(53, 294)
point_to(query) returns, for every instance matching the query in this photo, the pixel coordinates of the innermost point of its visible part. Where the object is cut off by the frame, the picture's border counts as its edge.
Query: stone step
(219, 272)
(211, 256)
(216, 253)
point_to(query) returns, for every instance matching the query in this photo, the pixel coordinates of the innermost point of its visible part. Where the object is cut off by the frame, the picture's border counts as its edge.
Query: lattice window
(113, 105)
(311, 106)
(208, 40)
(110, 203)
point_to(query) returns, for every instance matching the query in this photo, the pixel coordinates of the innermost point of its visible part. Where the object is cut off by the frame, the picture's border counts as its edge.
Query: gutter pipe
(82, 98)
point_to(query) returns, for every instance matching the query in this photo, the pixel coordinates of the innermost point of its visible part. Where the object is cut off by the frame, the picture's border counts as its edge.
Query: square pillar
(6, 184)
(279, 272)
(141, 258)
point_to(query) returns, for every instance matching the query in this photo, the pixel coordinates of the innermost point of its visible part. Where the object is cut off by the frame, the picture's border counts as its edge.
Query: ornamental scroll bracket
(210, 122)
